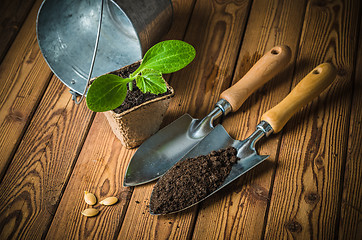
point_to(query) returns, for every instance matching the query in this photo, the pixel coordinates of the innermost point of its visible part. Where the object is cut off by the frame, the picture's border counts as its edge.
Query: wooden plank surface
(351, 206)
(100, 168)
(51, 150)
(33, 184)
(238, 211)
(216, 29)
(307, 184)
(24, 76)
(12, 16)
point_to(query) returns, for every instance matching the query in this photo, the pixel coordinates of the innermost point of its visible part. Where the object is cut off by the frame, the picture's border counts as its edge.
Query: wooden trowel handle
(265, 69)
(307, 89)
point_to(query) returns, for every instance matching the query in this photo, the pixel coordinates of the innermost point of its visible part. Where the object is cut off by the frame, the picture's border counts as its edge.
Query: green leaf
(168, 56)
(106, 93)
(151, 81)
(109, 91)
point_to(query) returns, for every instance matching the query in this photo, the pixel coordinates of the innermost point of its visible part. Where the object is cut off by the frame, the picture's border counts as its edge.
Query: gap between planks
(12, 16)
(24, 76)
(34, 182)
(348, 225)
(310, 210)
(210, 73)
(237, 211)
(70, 206)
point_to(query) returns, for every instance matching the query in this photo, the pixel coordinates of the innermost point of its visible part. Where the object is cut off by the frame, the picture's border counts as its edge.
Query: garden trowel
(161, 151)
(272, 122)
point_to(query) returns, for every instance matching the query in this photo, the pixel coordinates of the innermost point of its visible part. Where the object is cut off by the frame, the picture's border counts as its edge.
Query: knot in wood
(259, 193)
(319, 162)
(312, 197)
(125, 195)
(105, 188)
(294, 226)
(15, 116)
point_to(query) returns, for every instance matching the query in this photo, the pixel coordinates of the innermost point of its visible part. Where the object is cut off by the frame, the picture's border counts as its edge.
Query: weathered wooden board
(100, 169)
(238, 211)
(138, 222)
(307, 186)
(351, 206)
(32, 186)
(24, 75)
(12, 16)
(215, 30)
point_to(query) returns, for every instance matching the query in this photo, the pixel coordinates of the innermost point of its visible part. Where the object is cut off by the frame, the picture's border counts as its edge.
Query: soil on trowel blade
(134, 97)
(189, 181)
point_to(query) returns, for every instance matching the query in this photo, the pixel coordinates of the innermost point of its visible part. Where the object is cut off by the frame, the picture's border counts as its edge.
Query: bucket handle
(74, 97)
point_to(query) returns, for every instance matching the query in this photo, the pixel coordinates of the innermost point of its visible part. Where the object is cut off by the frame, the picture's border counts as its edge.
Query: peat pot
(135, 125)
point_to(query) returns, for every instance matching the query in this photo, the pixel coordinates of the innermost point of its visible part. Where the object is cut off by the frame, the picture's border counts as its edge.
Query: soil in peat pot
(192, 179)
(134, 97)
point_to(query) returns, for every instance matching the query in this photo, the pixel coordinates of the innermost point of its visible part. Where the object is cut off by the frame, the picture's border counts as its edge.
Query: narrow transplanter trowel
(272, 122)
(161, 151)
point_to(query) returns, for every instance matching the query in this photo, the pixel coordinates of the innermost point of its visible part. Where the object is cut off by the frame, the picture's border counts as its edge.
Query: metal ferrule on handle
(224, 106)
(262, 129)
(265, 128)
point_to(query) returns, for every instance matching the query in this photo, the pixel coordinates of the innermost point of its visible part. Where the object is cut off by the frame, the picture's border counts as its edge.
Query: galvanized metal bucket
(67, 35)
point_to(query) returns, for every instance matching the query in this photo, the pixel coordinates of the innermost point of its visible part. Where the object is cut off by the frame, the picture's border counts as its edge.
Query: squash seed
(90, 212)
(109, 201)
(89, 198)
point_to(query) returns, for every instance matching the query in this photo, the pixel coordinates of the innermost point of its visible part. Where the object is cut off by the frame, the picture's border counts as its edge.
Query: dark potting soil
(191, 180)
(134, 97)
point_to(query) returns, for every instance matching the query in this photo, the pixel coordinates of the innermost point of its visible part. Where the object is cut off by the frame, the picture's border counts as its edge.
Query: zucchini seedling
(108, 92)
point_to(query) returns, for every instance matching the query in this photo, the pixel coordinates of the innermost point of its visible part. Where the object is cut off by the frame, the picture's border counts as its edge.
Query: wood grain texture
(351, 207)
(215, 30)
(24, 75)
(100, 170)
(308, 188)
(12, 16)
(238, 211)
(33, 184)
(138, 222)
(307, 185)
(182, 10)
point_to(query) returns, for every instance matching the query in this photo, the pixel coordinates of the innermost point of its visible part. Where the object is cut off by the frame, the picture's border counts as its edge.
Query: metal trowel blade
(161, 151)
(219, 139)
